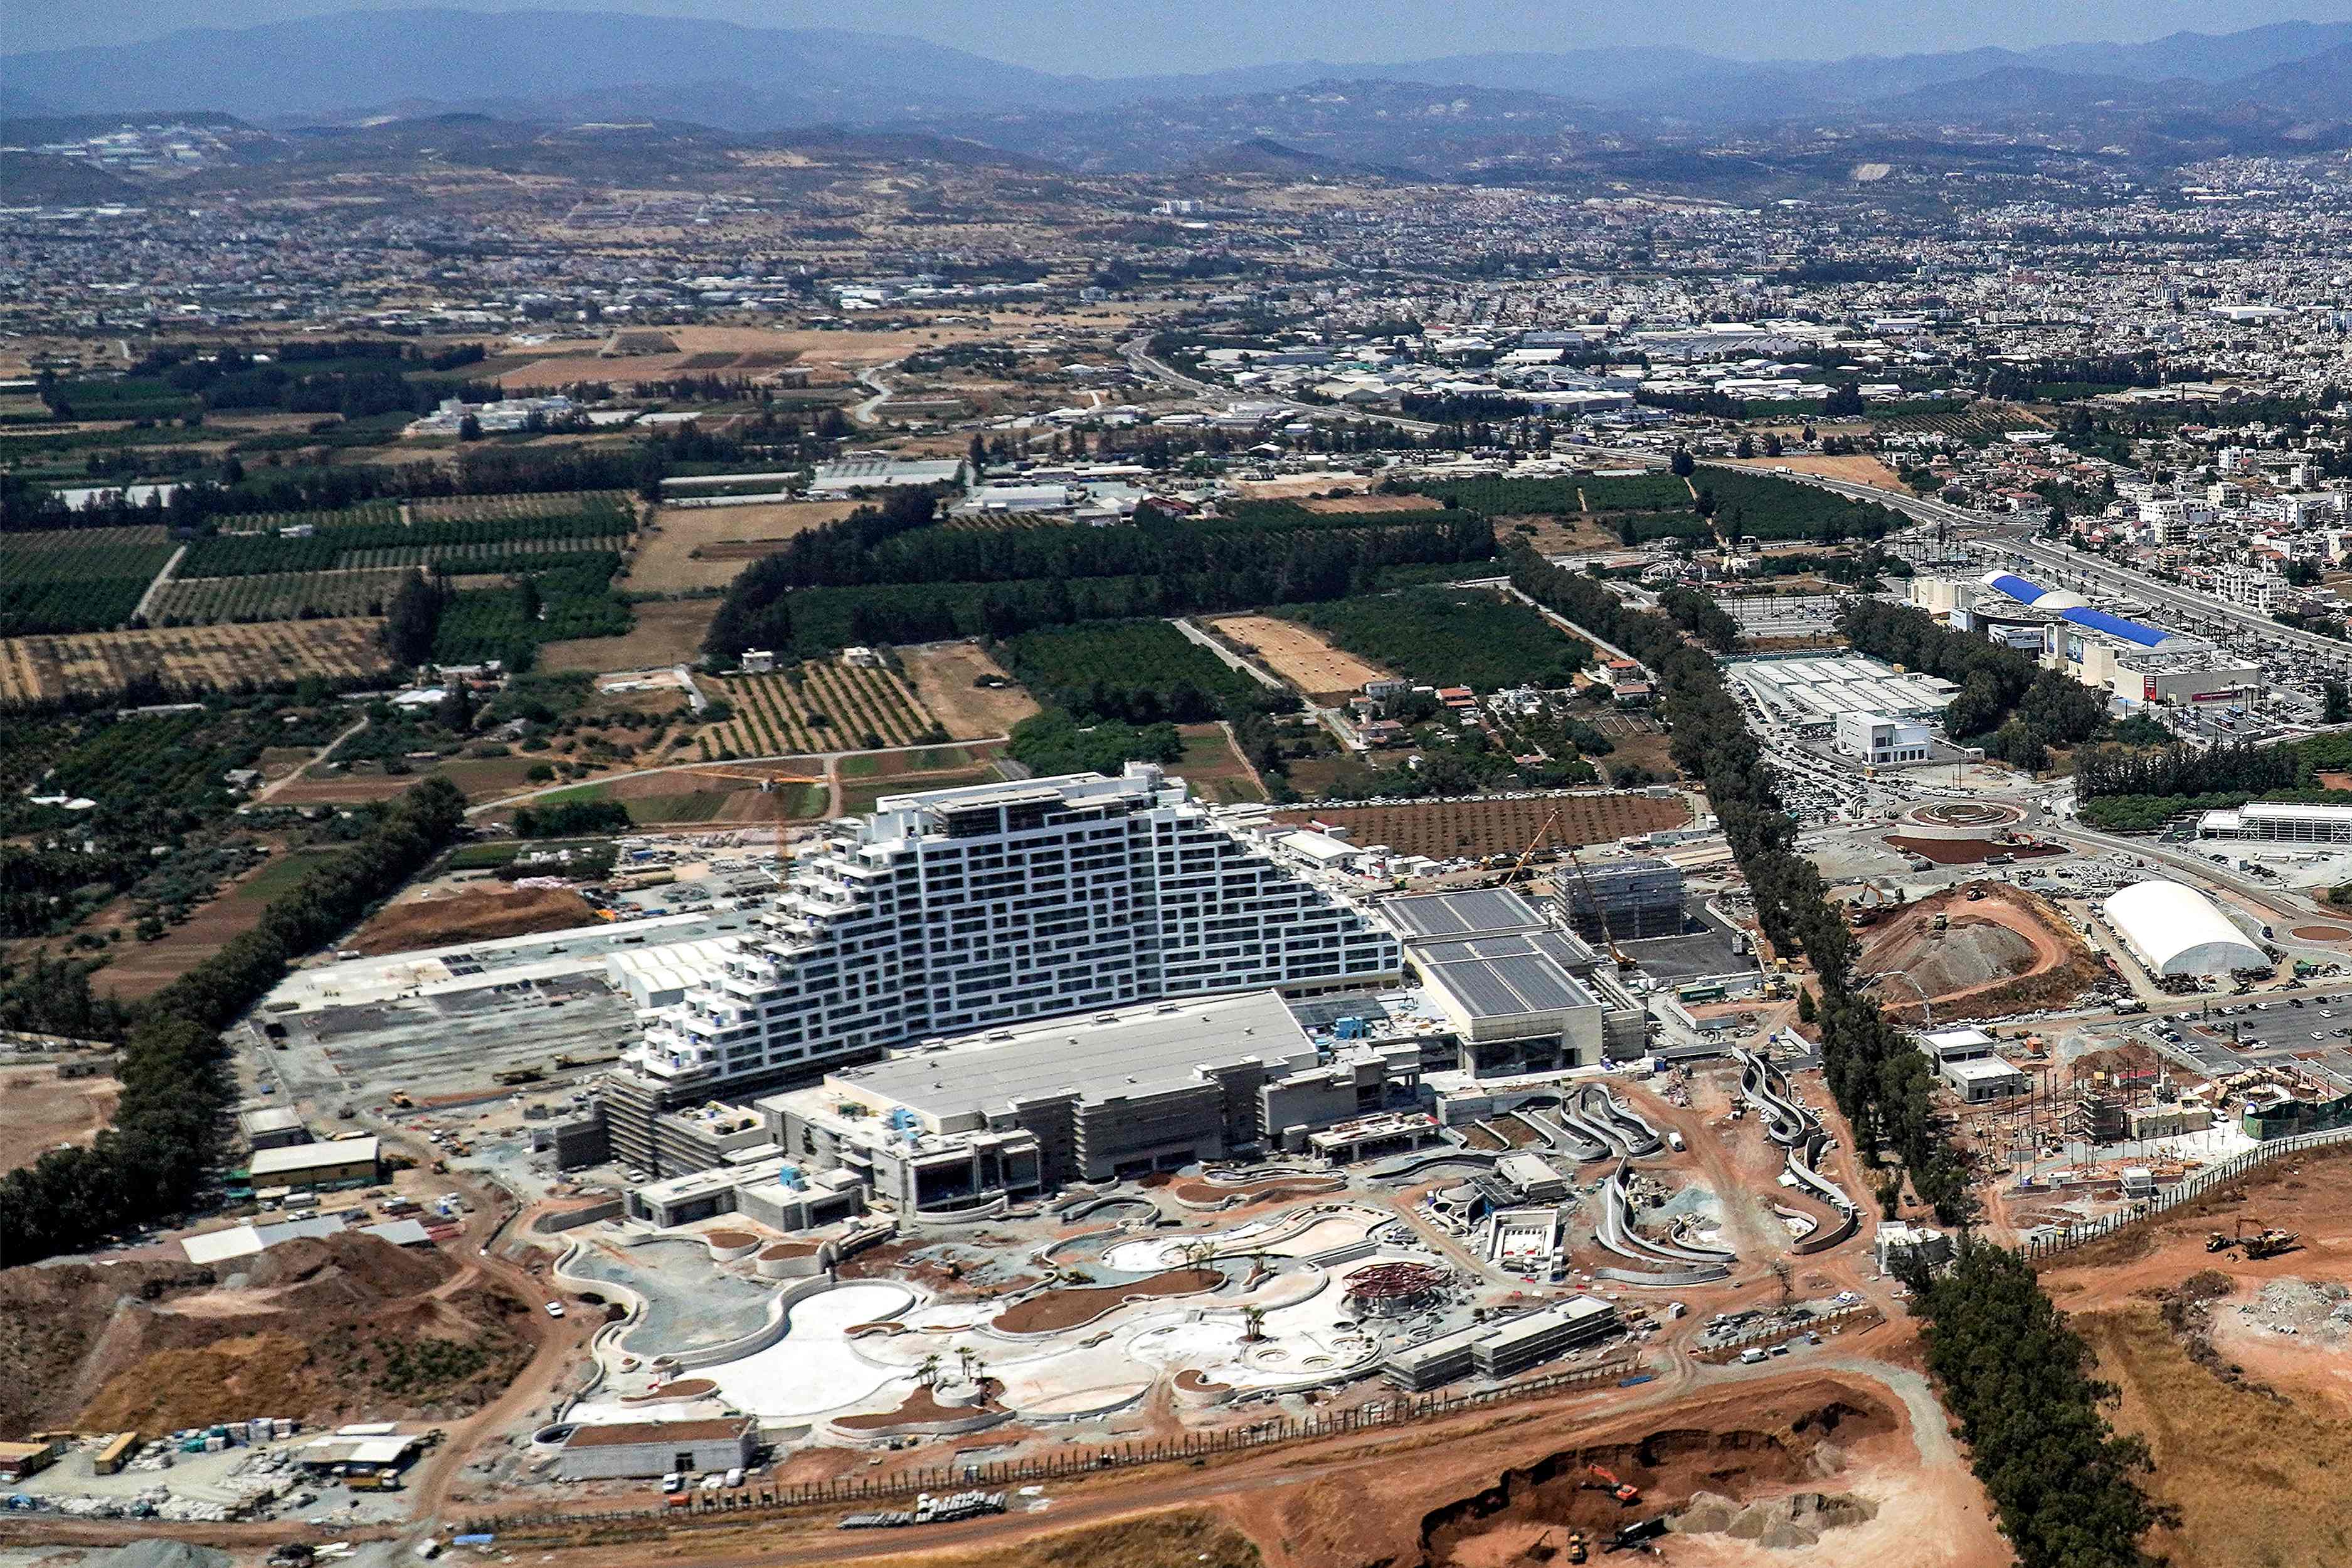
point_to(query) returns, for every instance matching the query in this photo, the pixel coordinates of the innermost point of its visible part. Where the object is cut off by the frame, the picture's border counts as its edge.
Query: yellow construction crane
(1608, 939)
(1551, 820)
(1511, 879)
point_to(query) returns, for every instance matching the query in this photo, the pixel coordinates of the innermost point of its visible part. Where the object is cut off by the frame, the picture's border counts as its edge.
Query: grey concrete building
(643, 1448)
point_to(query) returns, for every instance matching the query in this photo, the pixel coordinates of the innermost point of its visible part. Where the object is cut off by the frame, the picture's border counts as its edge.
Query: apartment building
(954, 911)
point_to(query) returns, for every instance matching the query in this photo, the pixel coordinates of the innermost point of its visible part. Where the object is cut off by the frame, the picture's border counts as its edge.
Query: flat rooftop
(1099, 1055)
(1474, 911)
(1504, 976)
(311, 1156)
(621, 1434)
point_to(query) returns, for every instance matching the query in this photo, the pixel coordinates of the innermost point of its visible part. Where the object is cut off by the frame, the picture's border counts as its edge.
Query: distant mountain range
(2281, 87)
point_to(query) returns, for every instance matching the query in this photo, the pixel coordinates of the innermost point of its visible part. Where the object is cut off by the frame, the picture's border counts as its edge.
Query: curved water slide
(1788, 1123)
(1636, 1136)
(1665, 1263)
(1581, 1147)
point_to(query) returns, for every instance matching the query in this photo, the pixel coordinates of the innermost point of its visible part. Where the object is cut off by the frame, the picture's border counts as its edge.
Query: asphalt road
(2016, 536)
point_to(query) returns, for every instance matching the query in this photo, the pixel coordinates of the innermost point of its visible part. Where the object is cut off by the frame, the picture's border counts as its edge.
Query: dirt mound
(158, 1553)
(315, 1330)
(2005, 952)
(359, 1270)
(476, 914)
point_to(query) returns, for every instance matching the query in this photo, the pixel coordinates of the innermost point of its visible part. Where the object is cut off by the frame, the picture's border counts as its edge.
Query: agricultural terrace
(820, 706)
(1958, 417)
(76, 580)
(1449, 637)
(477, 533)
(98, 664)
(276, 596)
(1139, 672)
(1446, 829)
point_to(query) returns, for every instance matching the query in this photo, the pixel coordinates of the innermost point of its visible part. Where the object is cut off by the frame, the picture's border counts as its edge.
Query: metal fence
(1398, 1412)
(2181, 1191)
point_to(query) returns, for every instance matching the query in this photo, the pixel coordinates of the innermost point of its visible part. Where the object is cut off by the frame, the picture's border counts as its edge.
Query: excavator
(2266, 1242)
(1623, 1492)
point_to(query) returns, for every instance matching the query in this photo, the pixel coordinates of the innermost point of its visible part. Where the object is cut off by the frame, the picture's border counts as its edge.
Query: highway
(2073, 568)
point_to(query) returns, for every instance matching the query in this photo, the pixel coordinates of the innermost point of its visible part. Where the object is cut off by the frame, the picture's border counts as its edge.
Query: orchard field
(819, 706)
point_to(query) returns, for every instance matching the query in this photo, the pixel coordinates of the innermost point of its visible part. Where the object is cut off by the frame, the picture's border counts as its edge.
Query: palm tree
(927, 1374)
(965, 1358)
(1253, 1322)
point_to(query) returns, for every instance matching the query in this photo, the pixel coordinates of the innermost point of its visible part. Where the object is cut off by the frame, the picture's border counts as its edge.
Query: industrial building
(1980, 1080)
(1013, 1112)
(636, 1450)
(1520, 994)
(312, 1167)
(988, 906)
(271, 1127)
(2174, 929)
(1811, 692)
(1882, 741)
(1501, 1350)
(2280, 822)
(879, 471)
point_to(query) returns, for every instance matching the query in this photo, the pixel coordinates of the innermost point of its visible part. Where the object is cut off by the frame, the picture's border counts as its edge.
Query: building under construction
(1620, 901)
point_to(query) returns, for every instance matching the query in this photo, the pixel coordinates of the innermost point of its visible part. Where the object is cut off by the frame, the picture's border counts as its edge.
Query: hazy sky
(1123, 38)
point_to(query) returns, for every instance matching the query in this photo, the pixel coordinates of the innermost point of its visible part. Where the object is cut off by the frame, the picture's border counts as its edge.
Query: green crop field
(76, 580)
(1449, 637)
(1139, 672)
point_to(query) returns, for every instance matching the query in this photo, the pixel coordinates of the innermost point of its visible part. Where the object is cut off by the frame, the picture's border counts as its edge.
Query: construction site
(1985, 950)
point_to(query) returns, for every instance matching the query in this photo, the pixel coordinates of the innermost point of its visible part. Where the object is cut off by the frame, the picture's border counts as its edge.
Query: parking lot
(2311, 1033)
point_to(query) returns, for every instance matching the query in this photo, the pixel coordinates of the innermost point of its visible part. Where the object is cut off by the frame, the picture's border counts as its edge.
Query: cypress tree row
(170, 1129)
(2065, 1487)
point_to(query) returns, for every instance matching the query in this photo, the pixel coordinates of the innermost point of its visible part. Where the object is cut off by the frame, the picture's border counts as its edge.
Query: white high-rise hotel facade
(958, 910)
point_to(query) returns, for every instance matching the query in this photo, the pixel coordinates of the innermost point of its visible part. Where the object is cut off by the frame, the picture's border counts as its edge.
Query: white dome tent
(2173, 929)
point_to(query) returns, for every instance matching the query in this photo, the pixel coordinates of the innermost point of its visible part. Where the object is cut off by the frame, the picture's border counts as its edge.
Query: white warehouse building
(2173, 929)
(2280, 822)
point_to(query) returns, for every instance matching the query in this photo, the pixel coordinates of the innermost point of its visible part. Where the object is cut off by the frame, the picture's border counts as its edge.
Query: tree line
(2007, 702)
(2065, 1486)
(787, 600)
(169, 1135)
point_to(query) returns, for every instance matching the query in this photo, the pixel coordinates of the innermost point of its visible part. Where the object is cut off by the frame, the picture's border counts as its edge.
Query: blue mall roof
(2115, 626)
(2018, 588)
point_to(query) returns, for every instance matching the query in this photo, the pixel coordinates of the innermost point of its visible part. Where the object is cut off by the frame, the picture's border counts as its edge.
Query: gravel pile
(157, 1553)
